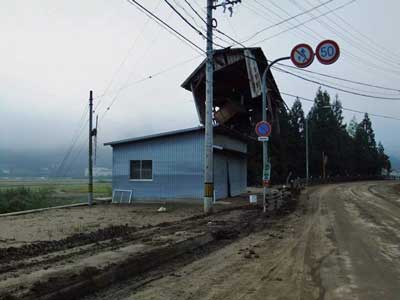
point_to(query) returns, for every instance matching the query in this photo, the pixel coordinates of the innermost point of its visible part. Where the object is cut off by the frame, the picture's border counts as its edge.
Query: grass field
(17, 195)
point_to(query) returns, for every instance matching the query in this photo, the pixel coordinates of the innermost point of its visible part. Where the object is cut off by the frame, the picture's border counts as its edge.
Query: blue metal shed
(170, 165)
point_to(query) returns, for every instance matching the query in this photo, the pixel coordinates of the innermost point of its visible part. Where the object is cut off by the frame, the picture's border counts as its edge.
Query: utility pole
(208, 140)
(324, 159)
(90, 169)
(307, 162)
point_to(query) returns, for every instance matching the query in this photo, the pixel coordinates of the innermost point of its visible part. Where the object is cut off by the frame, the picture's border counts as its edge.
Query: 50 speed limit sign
(327, 52)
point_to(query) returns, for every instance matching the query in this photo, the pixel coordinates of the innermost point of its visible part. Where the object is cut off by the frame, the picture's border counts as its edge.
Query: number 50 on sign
(327, 52)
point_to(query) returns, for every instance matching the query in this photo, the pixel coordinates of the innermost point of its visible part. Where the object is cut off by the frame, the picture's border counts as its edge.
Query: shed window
(141, 170)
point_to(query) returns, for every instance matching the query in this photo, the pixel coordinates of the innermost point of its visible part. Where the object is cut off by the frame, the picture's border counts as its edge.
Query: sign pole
(307, 162)
(264, 118)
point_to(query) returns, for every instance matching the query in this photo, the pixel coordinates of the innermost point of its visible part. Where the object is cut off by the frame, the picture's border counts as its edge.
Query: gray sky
(53, 52)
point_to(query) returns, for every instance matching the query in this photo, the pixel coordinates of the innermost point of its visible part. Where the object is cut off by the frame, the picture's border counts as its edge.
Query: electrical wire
(165, 25)
(304, 22)
(345, 108)
(372, 42)
(125, 59)
(354, 59)
(81, 125)
(75, 137)
(342, 79)
(284, 21)
(112, 102)
(336, 88)
(190, 24)
(363, 94)
(351, 41)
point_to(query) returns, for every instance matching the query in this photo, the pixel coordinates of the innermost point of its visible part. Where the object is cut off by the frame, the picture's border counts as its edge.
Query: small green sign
(267, 171)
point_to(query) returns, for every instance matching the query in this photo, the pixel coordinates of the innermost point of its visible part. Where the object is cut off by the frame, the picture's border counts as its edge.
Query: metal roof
(231, 51)
(154, 136)
(217, 129)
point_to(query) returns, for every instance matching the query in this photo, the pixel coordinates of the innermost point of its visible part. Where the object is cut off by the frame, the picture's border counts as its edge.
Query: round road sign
(302, 55)
(263, 129)
(327, 52)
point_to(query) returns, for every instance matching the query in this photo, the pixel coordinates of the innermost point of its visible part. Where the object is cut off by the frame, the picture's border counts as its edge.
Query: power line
(317, 82)
(146, 11)
(342, 79)
(337, 88)
(367, 38)
(125, 59)
(81, 126)
(190, 24)
(75, 137)
(187, 13)
(345, 108)
(351, 41)
(158, 20)
(350, 87)
(284, 21)
(305, 22)
(145, 79)
(354, 58)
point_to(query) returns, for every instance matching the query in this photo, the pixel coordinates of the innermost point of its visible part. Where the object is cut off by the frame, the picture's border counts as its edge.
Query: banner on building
(253, 73)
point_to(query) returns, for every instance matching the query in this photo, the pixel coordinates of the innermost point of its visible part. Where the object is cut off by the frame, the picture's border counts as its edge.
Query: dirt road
(341, 241)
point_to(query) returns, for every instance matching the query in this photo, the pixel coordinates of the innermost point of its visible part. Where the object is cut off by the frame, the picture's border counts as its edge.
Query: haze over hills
(34, 163)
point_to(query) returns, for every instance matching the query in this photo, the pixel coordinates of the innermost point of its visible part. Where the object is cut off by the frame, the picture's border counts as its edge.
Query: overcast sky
(53, 52)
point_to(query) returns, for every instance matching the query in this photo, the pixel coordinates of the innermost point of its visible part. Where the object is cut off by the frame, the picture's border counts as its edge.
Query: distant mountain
(395, 161)
(34, 163)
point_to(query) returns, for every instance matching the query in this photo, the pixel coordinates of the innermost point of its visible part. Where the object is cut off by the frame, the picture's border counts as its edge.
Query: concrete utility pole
(90, 169)
(208, 141)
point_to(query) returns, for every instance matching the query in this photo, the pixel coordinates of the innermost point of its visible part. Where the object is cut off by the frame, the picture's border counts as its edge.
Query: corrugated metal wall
(178, 168)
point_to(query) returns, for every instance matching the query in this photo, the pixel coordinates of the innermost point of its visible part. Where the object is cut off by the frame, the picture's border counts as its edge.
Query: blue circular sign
(263, 129)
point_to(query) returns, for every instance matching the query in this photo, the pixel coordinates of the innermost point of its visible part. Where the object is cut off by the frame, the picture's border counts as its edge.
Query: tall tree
(383, 159)
(365, 147)
(296, 140)
(352, 127)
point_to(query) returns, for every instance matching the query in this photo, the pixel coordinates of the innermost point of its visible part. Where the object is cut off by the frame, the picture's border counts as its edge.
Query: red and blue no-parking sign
(263, 129)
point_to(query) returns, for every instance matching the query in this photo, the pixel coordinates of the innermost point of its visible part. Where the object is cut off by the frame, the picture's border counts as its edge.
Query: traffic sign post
(327, 52)
(302, 55)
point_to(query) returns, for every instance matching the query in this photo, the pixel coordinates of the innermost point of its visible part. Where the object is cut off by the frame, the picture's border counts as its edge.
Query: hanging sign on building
(253, 73)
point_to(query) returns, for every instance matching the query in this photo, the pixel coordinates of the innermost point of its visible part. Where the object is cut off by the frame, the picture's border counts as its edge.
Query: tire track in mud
(196, 231)
(38, 254)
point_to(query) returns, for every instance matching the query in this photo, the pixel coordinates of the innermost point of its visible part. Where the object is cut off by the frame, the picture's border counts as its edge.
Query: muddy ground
(60, 223)
(338, 241)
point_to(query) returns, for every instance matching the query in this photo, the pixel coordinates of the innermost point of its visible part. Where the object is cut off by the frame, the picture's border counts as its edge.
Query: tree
(350, 150)
(352, 127)
(365, 146)
(383, 159)
(296, 140)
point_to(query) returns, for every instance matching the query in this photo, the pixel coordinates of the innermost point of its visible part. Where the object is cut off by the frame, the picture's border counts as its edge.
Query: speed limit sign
(302, 55)
(327, 52)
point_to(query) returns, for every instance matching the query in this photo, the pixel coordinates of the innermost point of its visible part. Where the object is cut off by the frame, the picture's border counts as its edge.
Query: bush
(23, 198)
